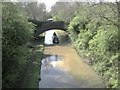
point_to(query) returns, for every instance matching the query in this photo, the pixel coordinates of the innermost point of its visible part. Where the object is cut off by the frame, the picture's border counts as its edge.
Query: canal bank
(30, 76)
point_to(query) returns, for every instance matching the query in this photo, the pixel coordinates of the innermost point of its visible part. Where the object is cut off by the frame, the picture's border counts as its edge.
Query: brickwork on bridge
(47, 25)
(50, 26)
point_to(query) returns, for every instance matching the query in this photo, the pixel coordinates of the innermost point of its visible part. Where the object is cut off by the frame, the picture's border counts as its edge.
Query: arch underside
(58, 25)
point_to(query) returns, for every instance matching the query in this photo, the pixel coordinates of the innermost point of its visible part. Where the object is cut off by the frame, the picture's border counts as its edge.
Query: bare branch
(115, 11)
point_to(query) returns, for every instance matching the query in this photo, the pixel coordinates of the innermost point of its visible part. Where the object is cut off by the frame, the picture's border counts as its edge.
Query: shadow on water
(64, 41)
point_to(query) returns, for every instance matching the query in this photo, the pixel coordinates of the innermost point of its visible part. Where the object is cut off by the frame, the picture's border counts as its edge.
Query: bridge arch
(58, 25)
(47, 25)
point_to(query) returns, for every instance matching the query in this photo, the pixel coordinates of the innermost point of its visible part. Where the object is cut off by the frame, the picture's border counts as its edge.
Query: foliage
(94, 34)
(34, 10)
(17, 31)
(56, 18)
(64, 11)
(32, 71)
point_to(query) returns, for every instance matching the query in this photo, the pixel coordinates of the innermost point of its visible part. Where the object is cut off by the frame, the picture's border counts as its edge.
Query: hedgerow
(17, 31)
(94, 34)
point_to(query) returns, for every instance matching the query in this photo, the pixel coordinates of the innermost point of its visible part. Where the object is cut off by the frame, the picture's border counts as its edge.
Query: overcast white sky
(48, 3)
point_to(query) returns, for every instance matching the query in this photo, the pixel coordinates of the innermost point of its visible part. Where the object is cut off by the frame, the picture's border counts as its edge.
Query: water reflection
(55, 68)
(53, 76)
(51, 60)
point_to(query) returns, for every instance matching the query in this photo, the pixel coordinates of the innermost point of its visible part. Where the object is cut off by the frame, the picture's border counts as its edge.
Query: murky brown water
(65, 69)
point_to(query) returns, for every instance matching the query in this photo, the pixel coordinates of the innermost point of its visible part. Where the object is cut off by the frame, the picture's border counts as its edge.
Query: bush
(94, 34)
(17, 31)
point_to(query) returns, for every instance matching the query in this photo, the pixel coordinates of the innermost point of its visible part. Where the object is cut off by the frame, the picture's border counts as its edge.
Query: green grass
(33, 75)
(29, 73)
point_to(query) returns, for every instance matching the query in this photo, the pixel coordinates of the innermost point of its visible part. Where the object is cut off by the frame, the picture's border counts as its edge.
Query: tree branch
(110, 20)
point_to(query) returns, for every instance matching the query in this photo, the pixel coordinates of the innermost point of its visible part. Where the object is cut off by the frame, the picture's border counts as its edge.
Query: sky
(48, 3)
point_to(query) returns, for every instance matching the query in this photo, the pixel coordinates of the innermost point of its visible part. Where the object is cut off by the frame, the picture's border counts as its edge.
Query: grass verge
(33, 73)
(30, 76)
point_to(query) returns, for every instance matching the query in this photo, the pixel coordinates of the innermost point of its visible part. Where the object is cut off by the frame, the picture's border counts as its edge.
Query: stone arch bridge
(47, 25)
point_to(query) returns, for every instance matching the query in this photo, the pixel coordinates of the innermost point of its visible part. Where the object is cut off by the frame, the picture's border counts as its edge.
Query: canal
(62, 67)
